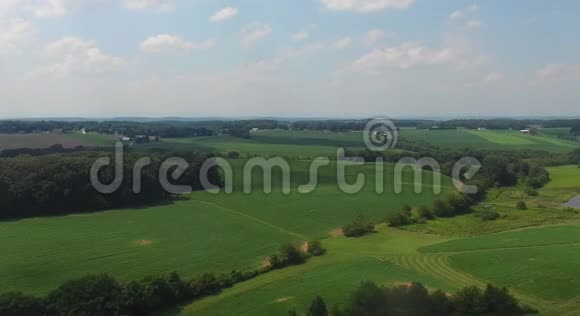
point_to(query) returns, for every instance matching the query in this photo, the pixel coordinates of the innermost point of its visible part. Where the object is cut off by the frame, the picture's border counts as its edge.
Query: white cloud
(167, 43)
(223, 14)
(300, 36)
(79, 56)
(404, 56)
(473, 24)
(372, 37)
(456, 15)
(155, 5)
(366, 6)
(493, 77)
(39, 8)
(559, 71)
(462, 14)
(51, 8)
(342, 43)
(253, 33)
(13, 34)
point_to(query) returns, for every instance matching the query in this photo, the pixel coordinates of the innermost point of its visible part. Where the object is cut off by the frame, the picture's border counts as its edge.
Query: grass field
(13, 141)
(541, 261)
(488, 139)
(544, 209)
(295, 144)
(392, 257)
(203, 233)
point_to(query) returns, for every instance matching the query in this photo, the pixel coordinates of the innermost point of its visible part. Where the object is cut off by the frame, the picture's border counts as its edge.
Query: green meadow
(534, 252)
(491, 139)
(203, 232)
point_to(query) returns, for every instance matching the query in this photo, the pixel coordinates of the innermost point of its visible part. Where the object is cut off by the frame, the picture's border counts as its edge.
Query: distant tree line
(58, 184)
(191, 128)
(98, 295)
(414, 299)
(54, 149)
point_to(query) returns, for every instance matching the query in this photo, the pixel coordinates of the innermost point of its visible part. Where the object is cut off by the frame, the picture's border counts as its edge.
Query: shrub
(288, 255)
(521, 205)
(18, 304)
(396, 220)
(488, 215)
(315, 248)
(424, 212)
(317, 308)
(359, 227)
(531, 192)
(90, 295)
(441, 208)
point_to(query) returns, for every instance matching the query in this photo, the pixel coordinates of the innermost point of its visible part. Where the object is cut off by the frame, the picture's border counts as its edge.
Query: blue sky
(289, 58)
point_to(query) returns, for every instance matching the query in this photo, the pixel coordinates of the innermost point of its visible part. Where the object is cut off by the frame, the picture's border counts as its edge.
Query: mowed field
(14, 141)
(542, 262)
(204, 232)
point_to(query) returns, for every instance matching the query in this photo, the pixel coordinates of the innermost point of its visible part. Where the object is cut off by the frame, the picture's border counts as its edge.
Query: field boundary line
(255, 219)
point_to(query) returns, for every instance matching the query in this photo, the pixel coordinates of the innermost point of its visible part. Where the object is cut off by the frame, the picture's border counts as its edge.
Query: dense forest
(57, 184)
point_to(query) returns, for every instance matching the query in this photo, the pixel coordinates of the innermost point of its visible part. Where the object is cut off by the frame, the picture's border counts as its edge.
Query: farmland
(491, 139)
(13, 141)
(309, 144)
(202, 233)
(219, 232)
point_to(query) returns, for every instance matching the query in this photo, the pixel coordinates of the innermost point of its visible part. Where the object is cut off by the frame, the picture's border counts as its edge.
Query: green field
(209, 232)
(309, 144)
(202, 233)
(92, 138)
(295, 144)
(541, 262)
(488, 139)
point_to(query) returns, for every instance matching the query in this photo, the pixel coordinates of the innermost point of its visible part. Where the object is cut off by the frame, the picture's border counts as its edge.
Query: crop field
(295, 144)
(204, 232)
(309, 144)
(488, 139)
(13, 141)
(541, 262)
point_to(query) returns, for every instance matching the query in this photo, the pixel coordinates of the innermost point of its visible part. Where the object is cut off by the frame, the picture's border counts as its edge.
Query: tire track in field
(438, 265)
(254, 219)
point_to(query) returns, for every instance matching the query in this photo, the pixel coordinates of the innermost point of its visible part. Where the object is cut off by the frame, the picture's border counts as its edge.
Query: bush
(488, 215)
(317, 308)
(531, 192)
(424, 212)
(441, 208)
(397, 220)
(359, 227)
(521, 205)
(18, 304)
(90, 295)
(288, 255)
(315, 248)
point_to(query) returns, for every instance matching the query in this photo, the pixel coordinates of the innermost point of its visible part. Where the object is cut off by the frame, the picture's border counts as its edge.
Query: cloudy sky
(289, 58)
